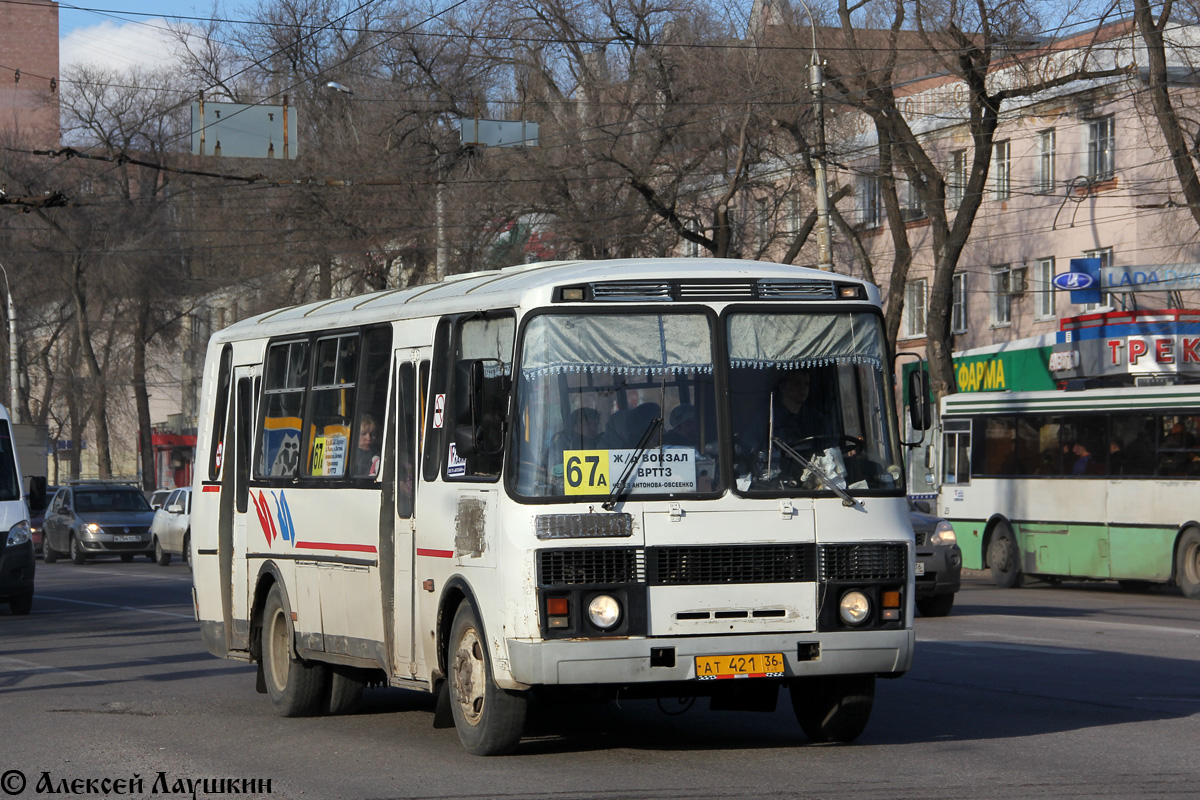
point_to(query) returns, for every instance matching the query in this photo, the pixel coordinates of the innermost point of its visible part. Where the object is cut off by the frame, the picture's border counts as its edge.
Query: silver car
(87, 520)
(171, 528)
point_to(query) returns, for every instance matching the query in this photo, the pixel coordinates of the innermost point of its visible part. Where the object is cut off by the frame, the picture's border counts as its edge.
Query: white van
(16, 547)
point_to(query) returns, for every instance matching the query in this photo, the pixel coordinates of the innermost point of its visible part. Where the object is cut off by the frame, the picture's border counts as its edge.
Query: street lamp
(13, 408)
(346, 90)
(816, 82)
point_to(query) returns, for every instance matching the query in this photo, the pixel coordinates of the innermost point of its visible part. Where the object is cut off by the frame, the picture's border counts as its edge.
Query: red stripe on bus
(213, 488)
(353, 548)
(436, 553)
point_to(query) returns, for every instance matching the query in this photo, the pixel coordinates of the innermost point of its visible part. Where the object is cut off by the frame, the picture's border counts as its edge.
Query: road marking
(1091, 623)
(31, 666)
(1031, 648)
(110, 605)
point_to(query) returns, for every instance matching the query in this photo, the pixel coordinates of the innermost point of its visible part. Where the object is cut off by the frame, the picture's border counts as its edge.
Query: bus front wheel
(489, 720)
(1187, 563)
(296, 687)
(1003, 557)
(834, 708)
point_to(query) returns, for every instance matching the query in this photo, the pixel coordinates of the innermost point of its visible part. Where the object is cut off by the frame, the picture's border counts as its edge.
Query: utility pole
(816, 82)
(14, 408)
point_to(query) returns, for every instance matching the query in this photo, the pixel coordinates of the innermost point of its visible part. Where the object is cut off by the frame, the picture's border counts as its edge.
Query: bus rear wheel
(489, 720)
(1003, 557)
(296, 687)
(834, 708)
(1187, 563)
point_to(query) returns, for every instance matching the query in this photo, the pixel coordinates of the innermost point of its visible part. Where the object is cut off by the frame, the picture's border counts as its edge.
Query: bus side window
(330, 404)
(490, 339)
(406, 451)
(956, 451)
(372, 403)
(283, 400)
(435, 404)
(244, 438)
(217, 445)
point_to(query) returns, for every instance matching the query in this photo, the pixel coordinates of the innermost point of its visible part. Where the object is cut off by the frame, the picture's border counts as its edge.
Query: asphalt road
(1073, 691)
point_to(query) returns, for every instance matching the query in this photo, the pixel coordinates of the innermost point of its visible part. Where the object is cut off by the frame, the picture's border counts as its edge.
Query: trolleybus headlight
(854, 608)
(604, 611)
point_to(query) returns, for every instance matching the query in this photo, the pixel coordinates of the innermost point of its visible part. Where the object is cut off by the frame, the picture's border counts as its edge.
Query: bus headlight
(604, 611)
(943, 534)
(18, 534)
(854, 608)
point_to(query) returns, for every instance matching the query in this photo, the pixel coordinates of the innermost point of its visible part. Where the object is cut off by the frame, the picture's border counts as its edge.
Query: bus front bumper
(601, 661)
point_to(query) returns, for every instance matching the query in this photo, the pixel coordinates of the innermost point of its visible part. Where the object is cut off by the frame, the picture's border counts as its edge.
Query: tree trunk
(142, 396)
(99, 387)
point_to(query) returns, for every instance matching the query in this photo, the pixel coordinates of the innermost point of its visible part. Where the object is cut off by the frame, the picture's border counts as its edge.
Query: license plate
(127, 538)
(920, 568)
(752, 665)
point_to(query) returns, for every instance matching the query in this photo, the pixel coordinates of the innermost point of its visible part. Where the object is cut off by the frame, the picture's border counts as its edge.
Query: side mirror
(920, 409)
(922, 506)
(37, 493)
(175, 508)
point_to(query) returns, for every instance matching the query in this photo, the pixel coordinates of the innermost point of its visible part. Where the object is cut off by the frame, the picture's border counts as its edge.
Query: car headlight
(92, 527)
(854, 607)
(604, 611)
(19, 533)
(943, 534)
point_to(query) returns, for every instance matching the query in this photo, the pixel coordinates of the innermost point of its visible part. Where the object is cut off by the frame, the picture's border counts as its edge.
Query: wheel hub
(469, 676)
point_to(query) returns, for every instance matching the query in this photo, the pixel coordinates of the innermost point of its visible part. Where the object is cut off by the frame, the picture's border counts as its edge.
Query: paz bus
(1099, 483)
(560, 477)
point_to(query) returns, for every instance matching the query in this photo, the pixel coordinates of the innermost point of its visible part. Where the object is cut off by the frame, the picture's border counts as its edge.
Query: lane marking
(110, 605)
(1031, 648)
(31, 666)
(1094, 624)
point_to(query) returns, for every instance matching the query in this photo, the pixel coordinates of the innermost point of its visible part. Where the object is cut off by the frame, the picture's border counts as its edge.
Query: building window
(956, 183)
(1001, 295)
(1106, 260)
(958, 312)
(1046, 159)
(913, 208)
(913, 323)
(1001, 171)
(1101, 146)
(1045, 288)
(871, 204)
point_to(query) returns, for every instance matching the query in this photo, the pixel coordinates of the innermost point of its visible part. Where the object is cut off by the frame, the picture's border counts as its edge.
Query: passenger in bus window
(685, 427)
(796, 417)
(366, 455)
(1085, 462)
(584, 433)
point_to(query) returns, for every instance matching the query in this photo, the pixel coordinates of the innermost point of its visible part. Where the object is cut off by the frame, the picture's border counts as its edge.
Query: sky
(119, 33)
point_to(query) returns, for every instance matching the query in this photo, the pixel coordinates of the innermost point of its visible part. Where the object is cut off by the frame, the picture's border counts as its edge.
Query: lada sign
(1073, 281)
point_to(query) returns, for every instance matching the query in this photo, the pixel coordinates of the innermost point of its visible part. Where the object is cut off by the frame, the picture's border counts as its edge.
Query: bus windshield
(592, 387)
(810, 403)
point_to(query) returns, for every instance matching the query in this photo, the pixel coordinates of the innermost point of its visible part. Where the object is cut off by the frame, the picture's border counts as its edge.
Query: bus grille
(593, 565)
(858, 562)
(768, 563)
(795, 290)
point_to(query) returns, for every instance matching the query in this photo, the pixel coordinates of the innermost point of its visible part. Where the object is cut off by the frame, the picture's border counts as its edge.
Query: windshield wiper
(620, 488)
(847, 500)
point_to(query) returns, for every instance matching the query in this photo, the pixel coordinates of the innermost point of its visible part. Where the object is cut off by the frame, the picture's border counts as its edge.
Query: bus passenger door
(245, 398)
(412, 378)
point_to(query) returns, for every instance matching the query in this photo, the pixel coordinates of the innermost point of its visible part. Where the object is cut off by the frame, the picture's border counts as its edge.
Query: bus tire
(345, 690)
(833, 708)
(489, 720)
(1003, 557)
(295, 686)
(939, 605)
(1187, 563)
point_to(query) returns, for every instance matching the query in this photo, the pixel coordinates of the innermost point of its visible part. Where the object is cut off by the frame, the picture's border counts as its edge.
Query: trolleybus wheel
(833, 708)
(489, 719)
(296, 687)
(1003, 557)
(1187, 563)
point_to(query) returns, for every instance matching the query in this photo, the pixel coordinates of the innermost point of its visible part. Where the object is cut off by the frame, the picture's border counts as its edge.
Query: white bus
(558, 477)
(1095, 484)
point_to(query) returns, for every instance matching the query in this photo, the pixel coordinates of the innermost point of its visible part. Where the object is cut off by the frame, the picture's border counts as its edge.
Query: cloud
(119, 46)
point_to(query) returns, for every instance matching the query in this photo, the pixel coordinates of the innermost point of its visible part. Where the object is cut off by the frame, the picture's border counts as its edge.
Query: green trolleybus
(1095, 484)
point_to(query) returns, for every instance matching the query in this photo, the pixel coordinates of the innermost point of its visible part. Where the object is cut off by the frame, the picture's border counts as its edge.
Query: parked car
(37, 517)
(91, 519)
(171, 528)
(158, 497)
(938, 561)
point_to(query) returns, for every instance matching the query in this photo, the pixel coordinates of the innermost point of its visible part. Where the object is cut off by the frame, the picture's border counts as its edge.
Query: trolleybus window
(591, 386)
(813, 386)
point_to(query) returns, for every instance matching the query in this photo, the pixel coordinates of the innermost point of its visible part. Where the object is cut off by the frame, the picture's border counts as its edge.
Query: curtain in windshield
(592, 386)
(810, 404)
